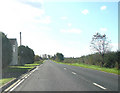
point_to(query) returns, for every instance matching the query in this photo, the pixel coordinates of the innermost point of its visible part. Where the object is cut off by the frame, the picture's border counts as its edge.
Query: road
(52, 76)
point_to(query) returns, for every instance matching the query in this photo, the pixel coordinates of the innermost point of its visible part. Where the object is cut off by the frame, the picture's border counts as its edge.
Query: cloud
(103, 7)
(64, 18)
(73, 30)
(69, 24)
(44, 20)
(103, 29)
(85, 12)
(33, 3)
(47, 20)
(41, 1)
(21, 13)
(18, 17)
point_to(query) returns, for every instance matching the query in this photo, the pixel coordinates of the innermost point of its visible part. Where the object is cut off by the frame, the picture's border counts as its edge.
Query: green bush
(36, 58)
(59, 57)
(111, 59)
(26, 55)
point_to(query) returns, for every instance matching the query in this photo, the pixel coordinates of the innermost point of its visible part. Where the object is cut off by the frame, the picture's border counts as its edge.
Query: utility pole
(20, 39)
(21, 51)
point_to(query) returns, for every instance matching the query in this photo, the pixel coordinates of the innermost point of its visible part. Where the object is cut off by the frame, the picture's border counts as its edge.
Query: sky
(50, 26)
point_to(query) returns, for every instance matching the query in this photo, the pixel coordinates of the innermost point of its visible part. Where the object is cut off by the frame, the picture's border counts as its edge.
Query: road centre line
(74, 73)
(65, 69)
(93, 83)
(99, 86)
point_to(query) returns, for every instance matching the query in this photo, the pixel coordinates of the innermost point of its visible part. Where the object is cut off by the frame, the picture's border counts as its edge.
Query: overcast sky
(48, 26)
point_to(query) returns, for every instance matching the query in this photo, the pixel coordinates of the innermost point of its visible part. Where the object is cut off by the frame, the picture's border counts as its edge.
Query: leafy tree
(26, 55)
(49, 56)
(36, 58)
(118, 59)
(44, 56)
(59, 57)
(110, 59)
(100, 44)
(53, 57)
(6, 51)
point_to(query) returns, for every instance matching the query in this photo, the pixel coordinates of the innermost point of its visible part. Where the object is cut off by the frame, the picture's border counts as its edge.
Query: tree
(36, 58)
(6, 51)
(118, 59)
(59, 57)
(110, 59)
(49, 56)
(26, 55)
(53, 57)
(100, 44)
(44, 56)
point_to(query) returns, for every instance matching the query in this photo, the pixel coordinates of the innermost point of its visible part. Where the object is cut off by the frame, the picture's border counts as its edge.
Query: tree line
(111, 60)
(58, 57)
(102, 57)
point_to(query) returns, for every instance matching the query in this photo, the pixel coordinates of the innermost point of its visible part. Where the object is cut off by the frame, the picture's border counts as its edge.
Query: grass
(109, 70)
(12, 72)
(26, 66)
(5, 80)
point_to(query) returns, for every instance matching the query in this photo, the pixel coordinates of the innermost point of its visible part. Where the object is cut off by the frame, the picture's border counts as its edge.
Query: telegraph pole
(20, 58)
(20, 39)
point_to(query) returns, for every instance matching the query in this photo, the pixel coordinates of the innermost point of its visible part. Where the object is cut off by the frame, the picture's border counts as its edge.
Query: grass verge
(109, 70)
(12, 72)
(5, 80)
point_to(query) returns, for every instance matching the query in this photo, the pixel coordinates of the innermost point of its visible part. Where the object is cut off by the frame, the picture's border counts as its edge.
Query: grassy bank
(109, 70)
(5, 80)
(12, 72)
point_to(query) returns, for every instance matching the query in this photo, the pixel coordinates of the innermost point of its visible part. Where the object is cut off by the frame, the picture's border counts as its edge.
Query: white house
(15, 51)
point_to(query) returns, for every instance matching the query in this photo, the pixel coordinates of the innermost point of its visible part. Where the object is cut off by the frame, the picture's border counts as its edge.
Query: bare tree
(100, 44)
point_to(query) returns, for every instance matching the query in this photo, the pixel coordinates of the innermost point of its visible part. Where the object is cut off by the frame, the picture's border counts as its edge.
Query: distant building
(15, 51)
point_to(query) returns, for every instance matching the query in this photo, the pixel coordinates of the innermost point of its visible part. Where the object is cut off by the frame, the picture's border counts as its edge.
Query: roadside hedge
(111, 59)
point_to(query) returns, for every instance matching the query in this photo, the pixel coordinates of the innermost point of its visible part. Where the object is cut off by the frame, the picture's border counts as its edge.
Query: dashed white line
(65, 69)
(74, 73)
(99, 86)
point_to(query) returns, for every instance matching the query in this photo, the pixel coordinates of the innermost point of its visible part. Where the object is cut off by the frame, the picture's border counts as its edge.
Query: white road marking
(99, 85)
(17, 85)
(74, 73)
(12, 85)
(65, 69)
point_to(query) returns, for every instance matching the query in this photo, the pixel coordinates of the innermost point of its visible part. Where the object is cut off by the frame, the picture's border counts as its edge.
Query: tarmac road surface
(51, 76)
